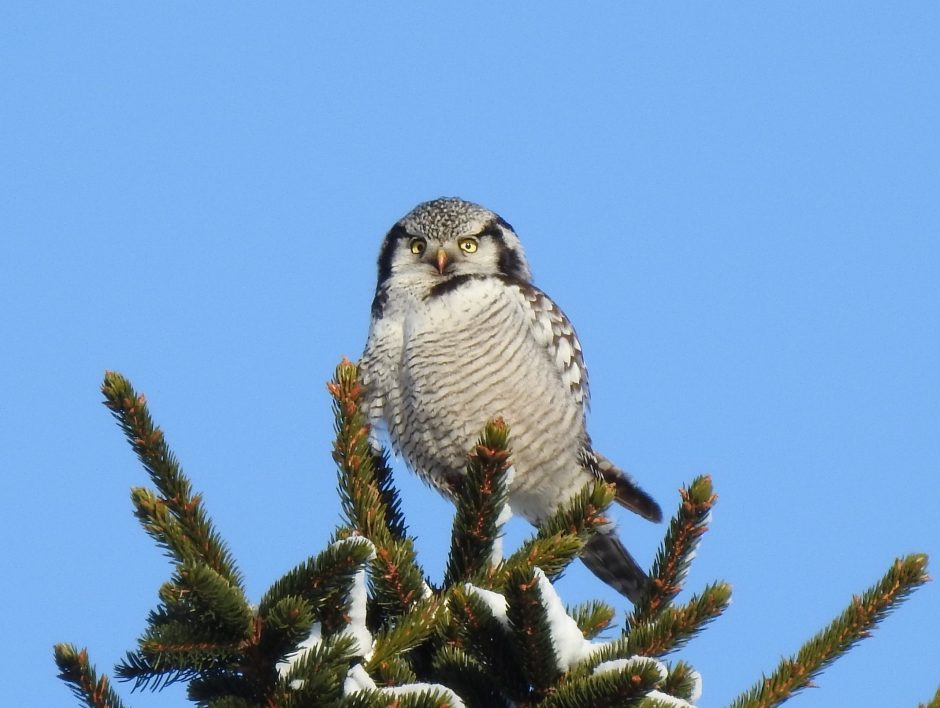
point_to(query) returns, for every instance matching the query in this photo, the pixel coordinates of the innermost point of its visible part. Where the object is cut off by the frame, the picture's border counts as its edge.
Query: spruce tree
(360, 624)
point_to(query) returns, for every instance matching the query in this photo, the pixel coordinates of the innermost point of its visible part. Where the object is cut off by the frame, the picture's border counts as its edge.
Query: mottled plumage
(459, 335)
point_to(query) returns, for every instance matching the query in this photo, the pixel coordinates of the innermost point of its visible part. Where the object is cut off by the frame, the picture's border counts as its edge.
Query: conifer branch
(409, 630)
(147, 674)
(476, 631)
(370, 503)
(204, 624)
(676, 625)
(216, 690)
(393, 671)
(480, 499)
(394, 519)
(77, 671)
(675, 555)
(656, 699)
(317, 677)
(468, 677)
(364, 500)
(682, 681)
(282, 627)
(626, 686)
(592, 617)
(323, 581)
(562, 536)
(227, 702)
(583, 514)
(397, 579)
(669, 631)
(158, 521)
(174, 652)
(854, 624)
(511, 644)
(530, 632)
(434, 697)
(934, 702)
(203, 542)
(197, 591)
(553, 554)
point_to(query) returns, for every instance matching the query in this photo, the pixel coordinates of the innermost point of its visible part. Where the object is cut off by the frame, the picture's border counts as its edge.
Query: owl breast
(468, 355)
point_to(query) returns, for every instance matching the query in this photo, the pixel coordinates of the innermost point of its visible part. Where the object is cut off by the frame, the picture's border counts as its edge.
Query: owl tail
(629, 493)
(606, 557)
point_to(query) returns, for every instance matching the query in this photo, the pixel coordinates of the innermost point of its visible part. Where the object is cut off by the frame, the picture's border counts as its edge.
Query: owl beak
(441, 260)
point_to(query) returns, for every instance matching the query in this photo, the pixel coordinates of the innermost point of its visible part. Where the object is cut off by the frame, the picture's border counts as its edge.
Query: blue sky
(737, 206)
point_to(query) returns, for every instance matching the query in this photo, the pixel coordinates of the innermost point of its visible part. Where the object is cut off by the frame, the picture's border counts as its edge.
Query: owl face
(449, 240)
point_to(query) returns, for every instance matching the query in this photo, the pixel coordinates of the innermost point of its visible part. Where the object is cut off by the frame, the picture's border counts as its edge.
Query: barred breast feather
(485, 348)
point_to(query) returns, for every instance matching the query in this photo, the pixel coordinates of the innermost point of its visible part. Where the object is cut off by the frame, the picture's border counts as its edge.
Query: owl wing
(553, 330)
(377, 369)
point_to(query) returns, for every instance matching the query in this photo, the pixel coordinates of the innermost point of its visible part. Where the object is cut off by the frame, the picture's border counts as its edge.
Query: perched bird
(460, 335)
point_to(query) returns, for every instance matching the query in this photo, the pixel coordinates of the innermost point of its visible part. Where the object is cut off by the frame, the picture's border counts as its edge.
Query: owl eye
(418, 245)
(468, 245)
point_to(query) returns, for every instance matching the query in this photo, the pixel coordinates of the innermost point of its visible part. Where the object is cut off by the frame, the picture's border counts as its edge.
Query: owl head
(449, 238)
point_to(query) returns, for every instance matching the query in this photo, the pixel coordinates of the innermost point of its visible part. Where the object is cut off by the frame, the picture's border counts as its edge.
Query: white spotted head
(447, 239)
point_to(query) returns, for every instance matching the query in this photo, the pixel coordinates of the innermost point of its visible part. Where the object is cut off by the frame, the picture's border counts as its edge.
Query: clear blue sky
(737, 205)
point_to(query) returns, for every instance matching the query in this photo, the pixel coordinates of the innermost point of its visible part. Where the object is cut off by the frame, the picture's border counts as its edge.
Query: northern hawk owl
(460, 335)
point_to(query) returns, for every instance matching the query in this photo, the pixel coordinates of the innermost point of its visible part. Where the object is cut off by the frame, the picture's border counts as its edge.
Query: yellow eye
(468, 245)
(418, 245)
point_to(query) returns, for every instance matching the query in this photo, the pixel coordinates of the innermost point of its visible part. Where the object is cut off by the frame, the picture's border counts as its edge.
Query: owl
(459, 335)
